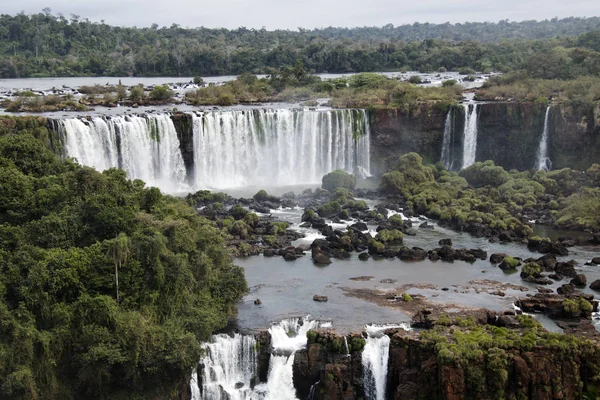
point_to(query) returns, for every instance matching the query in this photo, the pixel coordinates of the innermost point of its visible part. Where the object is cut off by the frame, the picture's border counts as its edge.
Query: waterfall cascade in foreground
(470, 135)
(448, 139)
(229, 369)
(276, 147)
(543, 161)
(146, 147)
(280, 147)
(375, 358)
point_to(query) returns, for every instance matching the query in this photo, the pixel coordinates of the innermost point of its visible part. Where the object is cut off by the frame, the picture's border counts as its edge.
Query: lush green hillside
(68, 328)
(47, 45)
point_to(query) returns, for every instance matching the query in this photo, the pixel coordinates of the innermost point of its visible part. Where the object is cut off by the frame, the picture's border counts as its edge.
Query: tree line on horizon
(44, 44)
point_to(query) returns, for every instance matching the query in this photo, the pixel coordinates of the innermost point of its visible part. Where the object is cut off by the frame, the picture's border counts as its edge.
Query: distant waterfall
(470, 135)
(446, 157)
(229, 368)
(375, 357)
(543, 161)
(145, 147)
(278, 147)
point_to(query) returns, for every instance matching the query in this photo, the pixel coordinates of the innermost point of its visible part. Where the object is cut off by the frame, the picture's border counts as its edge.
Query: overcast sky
(291, 14)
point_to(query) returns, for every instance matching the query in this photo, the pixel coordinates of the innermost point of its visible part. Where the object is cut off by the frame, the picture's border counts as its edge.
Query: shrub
(338, 179)
(329, 209)
(531, 269)
(386, 236)
(511, 263)
(161, 93)
(449, 82)
(407, 297)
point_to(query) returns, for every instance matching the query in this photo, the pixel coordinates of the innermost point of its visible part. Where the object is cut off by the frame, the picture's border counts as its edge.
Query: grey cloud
(291, 14)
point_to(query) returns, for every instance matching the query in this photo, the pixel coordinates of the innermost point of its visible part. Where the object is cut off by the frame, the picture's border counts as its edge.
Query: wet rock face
(415, 371)
(339, 376)
(508, 133)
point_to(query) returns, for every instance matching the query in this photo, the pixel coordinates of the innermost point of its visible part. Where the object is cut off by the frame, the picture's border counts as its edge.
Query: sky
(291, 14)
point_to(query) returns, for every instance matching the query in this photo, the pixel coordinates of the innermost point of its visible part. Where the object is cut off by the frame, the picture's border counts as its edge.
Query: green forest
(107, 287)
(44, 44)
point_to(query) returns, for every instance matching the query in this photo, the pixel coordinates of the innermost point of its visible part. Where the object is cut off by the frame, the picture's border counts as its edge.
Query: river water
(286, 288)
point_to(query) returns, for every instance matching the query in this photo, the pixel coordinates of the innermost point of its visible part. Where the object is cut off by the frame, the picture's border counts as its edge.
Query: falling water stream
(470, 135)
(543, 161)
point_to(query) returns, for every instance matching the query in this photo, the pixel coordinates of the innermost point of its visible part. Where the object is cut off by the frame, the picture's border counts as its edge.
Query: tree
(119, 250)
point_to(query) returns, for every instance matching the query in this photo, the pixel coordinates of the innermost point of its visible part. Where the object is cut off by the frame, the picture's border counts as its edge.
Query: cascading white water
(228, 369)
(277, 147)
(375, 358)
(543, 161)
(446, 157)
(470, 135)
(287, 337)
(145, 147)
(230, 365)
(272, 148)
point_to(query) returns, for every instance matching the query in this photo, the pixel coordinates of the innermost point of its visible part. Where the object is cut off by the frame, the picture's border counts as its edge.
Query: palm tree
(118, 251)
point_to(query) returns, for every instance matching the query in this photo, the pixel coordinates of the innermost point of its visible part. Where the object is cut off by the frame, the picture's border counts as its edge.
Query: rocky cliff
(421, 369)
(508, 133)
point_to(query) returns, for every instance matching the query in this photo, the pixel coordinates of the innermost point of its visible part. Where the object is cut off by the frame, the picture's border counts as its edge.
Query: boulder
(364, 256)
(478, 253)
(509, 264)
(360, 226)
(257, 302)
(596, 260)
(579, 280)
(566, 269)
(566, 289)
(289, 255)
(445, 242)
(548, 262)
(321, 259)
(414, 254)
(497, 258)
(446, 253)
(595, 285)
(320, 298)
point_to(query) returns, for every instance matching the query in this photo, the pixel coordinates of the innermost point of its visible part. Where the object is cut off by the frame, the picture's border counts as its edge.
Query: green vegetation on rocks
(338, 179)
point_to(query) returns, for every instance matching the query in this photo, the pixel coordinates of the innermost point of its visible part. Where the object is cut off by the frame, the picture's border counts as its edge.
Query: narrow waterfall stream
(446, 157)
(470, 135)
(543, 161)
(375, 357)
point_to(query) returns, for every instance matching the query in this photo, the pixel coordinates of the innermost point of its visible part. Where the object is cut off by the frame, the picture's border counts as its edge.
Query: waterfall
(229, 368)
(446, 157)
(287, 337)
(470, 135)
(543, 161)
(145, 147)
(276, 147)
(375, 358)
(279, 147)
